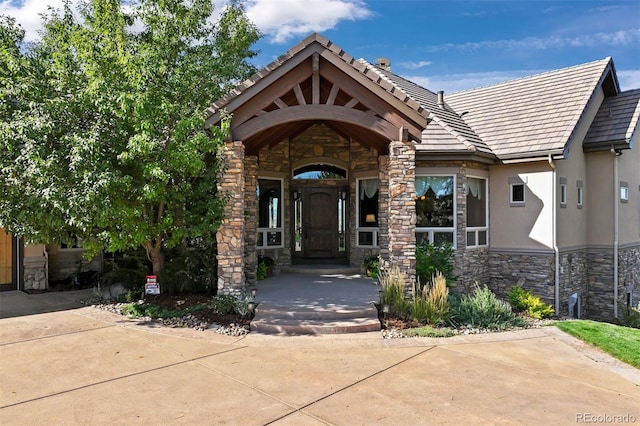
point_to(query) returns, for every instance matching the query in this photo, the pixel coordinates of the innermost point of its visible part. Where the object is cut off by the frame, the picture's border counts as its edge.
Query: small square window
(517, 193)
(624, 192)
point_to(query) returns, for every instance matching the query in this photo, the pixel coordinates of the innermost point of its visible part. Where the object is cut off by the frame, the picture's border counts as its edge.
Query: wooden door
(320, 213)
(6, 261)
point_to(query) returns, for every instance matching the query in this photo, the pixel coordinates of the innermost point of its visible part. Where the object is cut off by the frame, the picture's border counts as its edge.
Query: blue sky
(444, 45)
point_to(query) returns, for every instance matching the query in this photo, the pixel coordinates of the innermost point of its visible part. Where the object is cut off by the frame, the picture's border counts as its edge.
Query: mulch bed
(184, 301)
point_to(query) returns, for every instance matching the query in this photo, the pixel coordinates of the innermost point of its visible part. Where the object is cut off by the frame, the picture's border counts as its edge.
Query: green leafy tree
(102, 122)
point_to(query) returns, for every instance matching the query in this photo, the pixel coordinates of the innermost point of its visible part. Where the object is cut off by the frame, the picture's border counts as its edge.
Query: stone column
(402, 206)
(231, 234)
(383, 207)
(250, 218)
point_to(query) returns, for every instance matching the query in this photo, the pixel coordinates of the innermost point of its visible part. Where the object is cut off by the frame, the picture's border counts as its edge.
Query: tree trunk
(157, 259)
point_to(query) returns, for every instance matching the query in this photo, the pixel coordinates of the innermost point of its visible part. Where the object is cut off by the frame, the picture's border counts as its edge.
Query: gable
(317, 83)
(534, 116)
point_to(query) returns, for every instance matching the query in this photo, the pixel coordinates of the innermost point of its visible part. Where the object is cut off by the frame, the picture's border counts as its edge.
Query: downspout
(616, 227)
(554, 238)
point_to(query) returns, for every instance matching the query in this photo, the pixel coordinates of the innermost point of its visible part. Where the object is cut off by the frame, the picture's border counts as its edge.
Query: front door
(8, 277)
(320, 224)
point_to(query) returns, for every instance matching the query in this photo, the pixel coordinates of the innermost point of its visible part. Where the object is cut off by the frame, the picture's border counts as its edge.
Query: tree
(102, 133)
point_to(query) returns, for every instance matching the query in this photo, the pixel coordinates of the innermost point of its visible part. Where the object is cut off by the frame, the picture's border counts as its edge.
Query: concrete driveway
(86, 366)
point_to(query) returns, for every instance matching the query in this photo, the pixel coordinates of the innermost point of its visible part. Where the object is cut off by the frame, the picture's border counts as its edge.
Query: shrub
(524, 301)
(631, 316)
(484, 309)
(431, 258)
(372, 266)
(430, 302)
(262, 271)
(241, 305)
(393, 283)
(223, 304)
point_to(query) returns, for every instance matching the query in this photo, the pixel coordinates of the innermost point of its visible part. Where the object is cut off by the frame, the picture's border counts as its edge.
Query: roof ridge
(553, 71)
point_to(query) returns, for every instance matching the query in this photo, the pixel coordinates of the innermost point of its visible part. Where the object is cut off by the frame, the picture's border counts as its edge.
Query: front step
(271, 319)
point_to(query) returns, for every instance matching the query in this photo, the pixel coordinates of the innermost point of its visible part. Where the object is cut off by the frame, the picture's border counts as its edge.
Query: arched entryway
(315, 111)
(319, 212)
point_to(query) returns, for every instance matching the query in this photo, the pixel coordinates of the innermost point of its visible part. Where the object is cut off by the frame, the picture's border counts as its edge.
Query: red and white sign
(152, 286)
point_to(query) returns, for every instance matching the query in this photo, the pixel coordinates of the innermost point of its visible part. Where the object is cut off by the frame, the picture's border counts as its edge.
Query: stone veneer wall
(402, 207)
(600, 272)
(250, 210)
(383, 207)
(629, 273)
(230, 235)
(506, 268)
(574, 278)
(35, 273)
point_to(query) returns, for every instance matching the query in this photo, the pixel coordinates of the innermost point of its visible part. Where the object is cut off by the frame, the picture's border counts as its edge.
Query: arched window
(319, 171)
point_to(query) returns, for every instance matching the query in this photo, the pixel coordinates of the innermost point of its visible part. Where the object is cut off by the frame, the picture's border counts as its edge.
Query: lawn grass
(618, 341)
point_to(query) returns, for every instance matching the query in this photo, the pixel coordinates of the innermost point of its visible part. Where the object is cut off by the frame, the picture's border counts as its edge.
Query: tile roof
(616, 121)
(531, 116)
(528, 117)
(445, 122)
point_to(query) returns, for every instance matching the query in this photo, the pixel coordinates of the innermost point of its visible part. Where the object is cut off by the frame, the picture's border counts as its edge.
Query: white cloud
(457, 82)
(617, 38)
(629, 79)
(415, 65)
(282, 20)
(28, 13)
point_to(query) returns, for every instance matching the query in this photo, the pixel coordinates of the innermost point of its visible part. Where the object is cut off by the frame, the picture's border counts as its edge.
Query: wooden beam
(353, 102)
(266, 96)
(372, 100)
(280, 103)
(272, 73)
(299, 95)
(332, 94)
(315, 112)
(315, 79)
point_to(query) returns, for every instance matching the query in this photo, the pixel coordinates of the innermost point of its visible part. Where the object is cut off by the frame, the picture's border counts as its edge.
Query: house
(536, 180)
(333, 159)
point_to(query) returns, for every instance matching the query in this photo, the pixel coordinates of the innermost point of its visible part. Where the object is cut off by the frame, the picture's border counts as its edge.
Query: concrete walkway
(86, 366)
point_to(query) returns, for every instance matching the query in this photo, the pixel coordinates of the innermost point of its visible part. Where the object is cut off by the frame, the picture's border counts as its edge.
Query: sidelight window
(269, 194)
(367, 224)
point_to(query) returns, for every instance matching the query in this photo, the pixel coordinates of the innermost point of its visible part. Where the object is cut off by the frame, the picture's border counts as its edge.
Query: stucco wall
(528, 227)
(599, 198)
(572, 221)
(629, 213)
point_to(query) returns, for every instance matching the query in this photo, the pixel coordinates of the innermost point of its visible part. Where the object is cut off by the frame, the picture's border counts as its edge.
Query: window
(477, 205)
(580, 194)
(516, 192)
(435, 209)
(320, 171)
(624, 192)
(269, 195)
(563, 192)
(367, 226)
